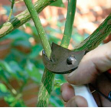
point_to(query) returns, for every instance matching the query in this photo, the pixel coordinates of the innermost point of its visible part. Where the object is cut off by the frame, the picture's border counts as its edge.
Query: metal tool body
(63, 61)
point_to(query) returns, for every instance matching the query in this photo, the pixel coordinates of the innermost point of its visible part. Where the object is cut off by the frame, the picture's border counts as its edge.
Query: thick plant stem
(45, 89)
(69, 23)
(39, 27)
(22, 18)
(48, 77)
(97, 36)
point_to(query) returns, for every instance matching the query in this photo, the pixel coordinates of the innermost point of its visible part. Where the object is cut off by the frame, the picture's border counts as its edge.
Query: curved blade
(58, 61)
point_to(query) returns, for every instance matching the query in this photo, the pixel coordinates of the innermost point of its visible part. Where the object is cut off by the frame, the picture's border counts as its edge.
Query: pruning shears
(63, 61)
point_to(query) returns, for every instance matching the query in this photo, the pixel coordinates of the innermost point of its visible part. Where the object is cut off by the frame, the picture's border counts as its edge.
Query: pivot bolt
(71, 60)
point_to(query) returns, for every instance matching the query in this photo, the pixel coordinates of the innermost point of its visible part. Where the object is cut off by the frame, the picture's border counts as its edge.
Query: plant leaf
(58, 3)
(17, 34)
(33, 72)
(35, 51)
(3, 91)
(5, 66)
(57, 83)
(56, 102)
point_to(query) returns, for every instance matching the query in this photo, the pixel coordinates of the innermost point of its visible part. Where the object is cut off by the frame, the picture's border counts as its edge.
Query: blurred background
(21, 65)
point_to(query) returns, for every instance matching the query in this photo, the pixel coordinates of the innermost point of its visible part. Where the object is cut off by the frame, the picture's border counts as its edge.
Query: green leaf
(3, 76)
(18, 72)
(77, 37)
(13, 70)
(9, 98)
(59, 24)
(56, 102)
(57, 83)
(3, 88)
(58, 3)
(17, 34)
(35, 51)
(21, 42)
(39, 64)
(53, 39)
(52, 31)
(14, 102)
(5, 66)
(16, 55)
(3, 94)
(3, 91)
(34, 72)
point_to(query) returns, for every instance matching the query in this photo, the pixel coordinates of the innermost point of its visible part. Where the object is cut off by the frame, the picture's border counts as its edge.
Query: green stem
(22, 87)
(22, 18)
(11, 10)
(45, 89)
(6, 80)
(48, 77)
(39, 27)
(97, 36)
(90, 43)
(69, 23)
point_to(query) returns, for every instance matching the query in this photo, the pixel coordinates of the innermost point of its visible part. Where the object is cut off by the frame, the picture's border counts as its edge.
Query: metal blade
(58, 61)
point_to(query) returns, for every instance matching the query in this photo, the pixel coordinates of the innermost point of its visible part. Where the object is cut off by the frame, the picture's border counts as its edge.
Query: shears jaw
(62, 60)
